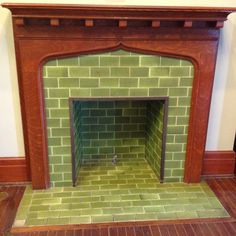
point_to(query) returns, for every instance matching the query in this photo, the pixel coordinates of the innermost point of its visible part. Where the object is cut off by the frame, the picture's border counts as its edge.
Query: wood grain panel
(13, 169)
(218, 163)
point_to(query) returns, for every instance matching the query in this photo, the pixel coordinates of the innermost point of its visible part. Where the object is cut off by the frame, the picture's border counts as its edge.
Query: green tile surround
(128, 191)
(118, 73)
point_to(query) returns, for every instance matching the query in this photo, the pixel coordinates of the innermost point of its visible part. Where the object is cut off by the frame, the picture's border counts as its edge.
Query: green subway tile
(148, 82)
(172, 164)
(78, 72)
(124, 217)
(150, 61)
(106, 135)
(133, 209)
(100, 92)
(119, 72)
(109, 61)
(64, 168)
(44, 72)
(61, 150)
(186, 63)
(58, 221)
(89, 83)
(65, 123)
(188, 81)
(80, 92)
(94, 211)
(35, 221)
(175, 129)
(165, 61)
(139, 72)
(60, 132)
(100, 72)
(50, 82)
(106, 150)
(177, 172)
(158, 92)
(129, 61)
(179, 71)
(57, 72)
(160, 71)
(100, 219)
(169, 82)
(56, 177)
(58, 93)
(129, 82)
(178, 92)
(68, 82)
(72, 61)
(89, 60)
(59, 113)
(181, 138)
(184, 101)
(51, 63)
(53, 122)
(138, 92)
(173, 101)
(109, 82)
(182, 120)
(80, 220)
(165, 215)
(120, 92)
(177, 111)
(54, 141)
(113, 210)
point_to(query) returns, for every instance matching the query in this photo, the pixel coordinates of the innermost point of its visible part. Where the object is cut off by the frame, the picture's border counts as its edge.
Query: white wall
(222, 122)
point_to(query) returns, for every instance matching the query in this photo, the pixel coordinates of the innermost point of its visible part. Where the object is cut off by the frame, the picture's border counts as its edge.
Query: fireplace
(46, 32)
(117, 104)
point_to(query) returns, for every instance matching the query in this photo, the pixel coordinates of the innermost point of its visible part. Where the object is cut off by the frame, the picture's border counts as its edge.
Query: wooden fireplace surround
(46, 31)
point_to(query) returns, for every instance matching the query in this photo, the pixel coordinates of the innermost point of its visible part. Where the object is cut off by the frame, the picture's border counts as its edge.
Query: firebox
(111, 130)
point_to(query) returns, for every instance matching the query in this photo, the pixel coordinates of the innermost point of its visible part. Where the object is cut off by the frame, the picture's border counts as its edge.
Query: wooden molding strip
(13, 169)
(218, 163)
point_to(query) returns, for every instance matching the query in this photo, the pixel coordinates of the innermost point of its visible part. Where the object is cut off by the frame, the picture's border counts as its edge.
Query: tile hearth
(128, 191)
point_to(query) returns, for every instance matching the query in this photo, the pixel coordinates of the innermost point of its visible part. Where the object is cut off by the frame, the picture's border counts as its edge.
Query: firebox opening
(117, 134)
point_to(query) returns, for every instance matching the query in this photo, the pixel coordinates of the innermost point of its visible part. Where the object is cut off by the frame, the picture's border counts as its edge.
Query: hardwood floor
(225, 189)
(8, 206)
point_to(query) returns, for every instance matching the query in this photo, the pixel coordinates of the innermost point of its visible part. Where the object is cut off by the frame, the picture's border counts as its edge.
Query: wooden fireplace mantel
(46, 31)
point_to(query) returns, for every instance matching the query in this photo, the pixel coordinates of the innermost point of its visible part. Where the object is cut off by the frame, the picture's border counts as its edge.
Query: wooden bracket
(89, 23)
(54, 22)
(156, 23)
(20, 21)
(188, 24)
(122, 23)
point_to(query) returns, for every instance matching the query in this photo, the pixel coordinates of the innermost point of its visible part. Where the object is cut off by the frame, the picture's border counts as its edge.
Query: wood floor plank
(130, 231)
(164, 230)
(155, 230)
(189, 229)
(104, 232)
(147, 231)
(180, 230)
(121, 231)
